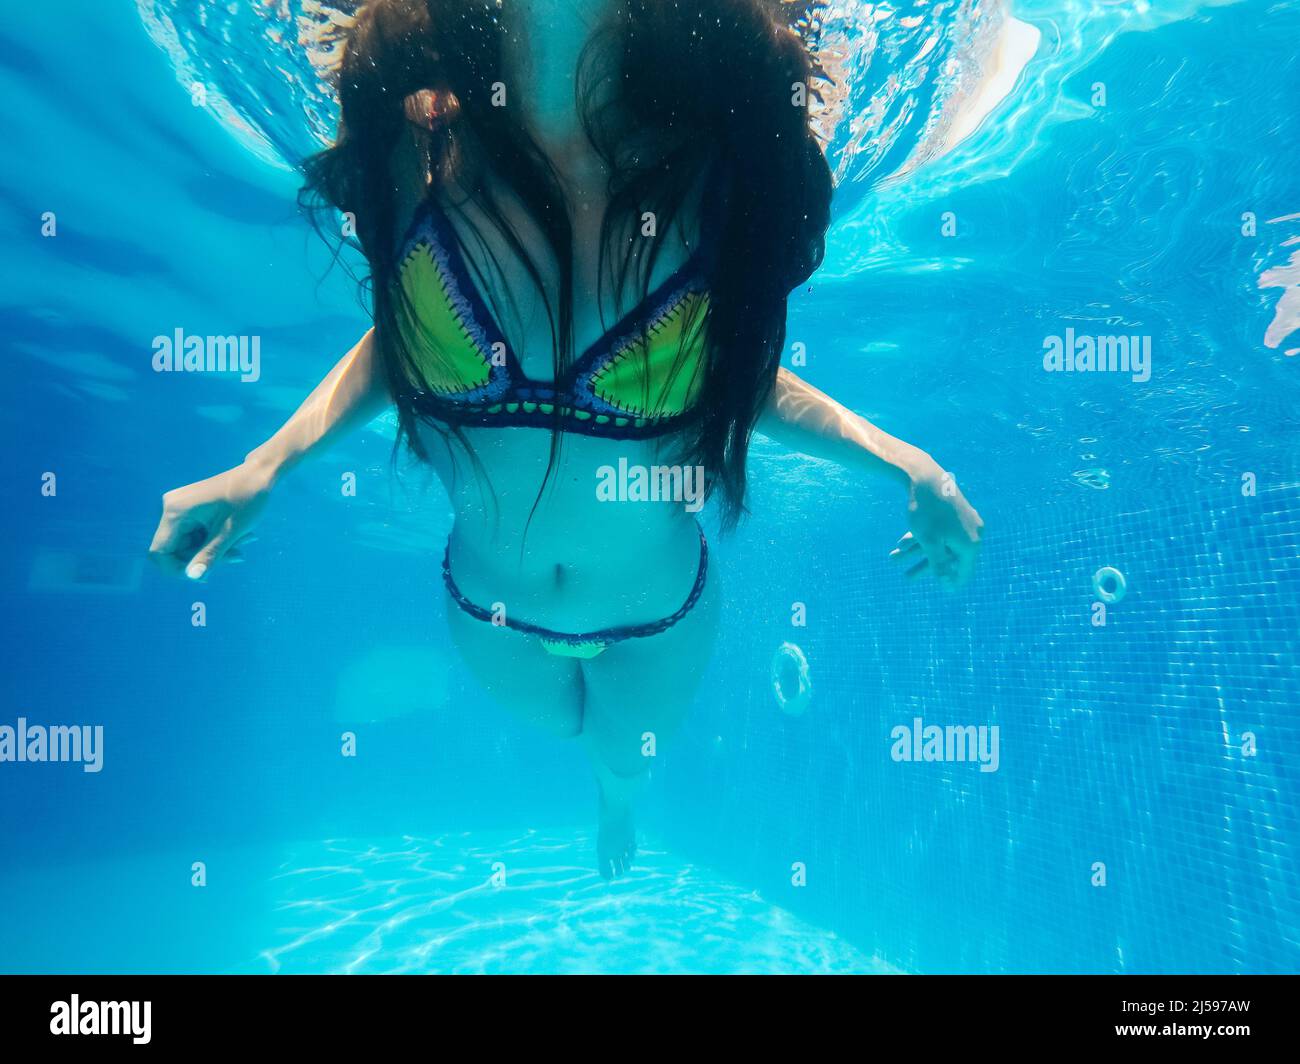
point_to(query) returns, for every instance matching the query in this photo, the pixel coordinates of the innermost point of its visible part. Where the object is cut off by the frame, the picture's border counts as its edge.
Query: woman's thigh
(638, 691)
(514, 669)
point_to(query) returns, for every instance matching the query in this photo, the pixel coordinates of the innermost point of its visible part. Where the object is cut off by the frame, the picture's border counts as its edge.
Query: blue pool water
(1139, 177)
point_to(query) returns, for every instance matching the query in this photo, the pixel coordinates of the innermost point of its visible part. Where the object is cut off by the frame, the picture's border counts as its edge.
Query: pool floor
(477, 902)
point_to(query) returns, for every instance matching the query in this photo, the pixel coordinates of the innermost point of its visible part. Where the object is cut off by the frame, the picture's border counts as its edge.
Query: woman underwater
(582, 220)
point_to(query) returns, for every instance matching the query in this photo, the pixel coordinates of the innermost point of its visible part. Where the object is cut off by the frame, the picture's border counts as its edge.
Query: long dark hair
(713, 91)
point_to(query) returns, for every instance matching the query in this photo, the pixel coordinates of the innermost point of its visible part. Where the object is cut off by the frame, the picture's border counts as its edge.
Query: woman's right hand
(201, 522)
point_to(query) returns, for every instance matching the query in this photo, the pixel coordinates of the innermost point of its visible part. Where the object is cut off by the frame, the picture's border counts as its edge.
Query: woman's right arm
(202, 521)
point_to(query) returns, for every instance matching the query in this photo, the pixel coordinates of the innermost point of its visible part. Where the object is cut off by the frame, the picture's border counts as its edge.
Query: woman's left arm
(945, 529)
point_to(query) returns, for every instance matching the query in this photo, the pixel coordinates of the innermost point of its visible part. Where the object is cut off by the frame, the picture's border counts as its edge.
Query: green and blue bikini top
(638, 381)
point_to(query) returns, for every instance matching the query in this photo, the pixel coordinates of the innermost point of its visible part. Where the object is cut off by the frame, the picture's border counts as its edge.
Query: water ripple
(434, 905)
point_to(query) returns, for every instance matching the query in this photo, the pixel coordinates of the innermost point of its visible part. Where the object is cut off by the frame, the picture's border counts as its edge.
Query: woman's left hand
(946, 530)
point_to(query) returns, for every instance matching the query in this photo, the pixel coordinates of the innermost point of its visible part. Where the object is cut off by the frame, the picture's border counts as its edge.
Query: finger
(170, 560)
(965, 565)
(175, 543)
(917, 569)
(162, 535)
(234, 554)
(209, 555)
(965, 552)
(950, 566)
(169, 531)
(902, 552)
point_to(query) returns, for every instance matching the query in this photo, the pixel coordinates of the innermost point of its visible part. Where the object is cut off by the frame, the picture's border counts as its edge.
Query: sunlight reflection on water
(432, 905)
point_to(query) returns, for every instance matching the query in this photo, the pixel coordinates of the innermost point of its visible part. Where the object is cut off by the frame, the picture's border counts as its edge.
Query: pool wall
(1120, 745)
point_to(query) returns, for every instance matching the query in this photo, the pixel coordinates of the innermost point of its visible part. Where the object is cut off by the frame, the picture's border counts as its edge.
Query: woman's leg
(514, 669)
(623, 703)
(637, 693)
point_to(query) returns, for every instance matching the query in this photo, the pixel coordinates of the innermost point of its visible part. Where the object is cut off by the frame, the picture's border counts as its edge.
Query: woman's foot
(616, 836)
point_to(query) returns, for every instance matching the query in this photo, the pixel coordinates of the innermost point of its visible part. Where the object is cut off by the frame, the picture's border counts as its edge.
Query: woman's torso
(571, 560)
